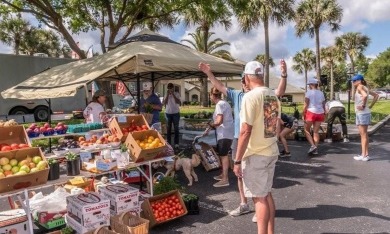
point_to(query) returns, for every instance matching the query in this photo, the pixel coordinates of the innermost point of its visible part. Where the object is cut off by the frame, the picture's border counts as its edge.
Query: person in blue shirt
(150, 102)
(235, 96)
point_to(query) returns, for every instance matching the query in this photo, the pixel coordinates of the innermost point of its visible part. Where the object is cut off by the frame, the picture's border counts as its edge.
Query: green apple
(41, 165)
(25, 168)
(13, 162)
(4, 161)
(1, 175)
(23, 162)
(15, 169)
(7, 167)
(34, 170)
(21, 173)
(36, 159)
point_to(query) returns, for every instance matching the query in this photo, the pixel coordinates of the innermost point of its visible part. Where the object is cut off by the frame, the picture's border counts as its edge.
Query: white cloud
(356, 13)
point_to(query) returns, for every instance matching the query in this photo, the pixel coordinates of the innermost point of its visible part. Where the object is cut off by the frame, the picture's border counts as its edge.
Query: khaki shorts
(258, 174)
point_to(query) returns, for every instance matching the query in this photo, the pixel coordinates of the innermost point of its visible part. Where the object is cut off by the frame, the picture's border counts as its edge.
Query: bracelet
(284, 76)
(237, 162)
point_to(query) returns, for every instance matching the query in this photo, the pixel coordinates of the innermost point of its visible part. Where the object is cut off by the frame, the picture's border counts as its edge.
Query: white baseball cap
(147, 86)
(253, 68)
(312, 81)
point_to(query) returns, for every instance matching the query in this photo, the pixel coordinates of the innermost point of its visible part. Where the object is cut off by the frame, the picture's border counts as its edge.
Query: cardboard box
(210, 159)
(11, 183)
(14, 221)
(44, 216)
(122, 197)
(14, 135)
(88, 208)
(117, 123)
(142, 197)
(291, 135)
(80, 229)
(147, 211)
(140, 155)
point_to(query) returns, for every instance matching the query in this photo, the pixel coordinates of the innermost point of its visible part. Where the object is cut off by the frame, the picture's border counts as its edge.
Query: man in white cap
(257, 150)
(150, 102)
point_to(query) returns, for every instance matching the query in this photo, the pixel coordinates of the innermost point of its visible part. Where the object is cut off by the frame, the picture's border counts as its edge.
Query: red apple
(60, 124)
(36, 130)
(65, 127)
(46, 125)
(42, 129)
(29, 130)
(14, 146)
(60, 128)
(33, 126)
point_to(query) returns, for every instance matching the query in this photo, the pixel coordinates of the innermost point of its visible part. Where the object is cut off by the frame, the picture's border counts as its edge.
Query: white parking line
(301, 164)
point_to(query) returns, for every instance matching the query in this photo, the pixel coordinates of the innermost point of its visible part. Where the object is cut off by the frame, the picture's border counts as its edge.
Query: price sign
(85, 156)
(122, 119)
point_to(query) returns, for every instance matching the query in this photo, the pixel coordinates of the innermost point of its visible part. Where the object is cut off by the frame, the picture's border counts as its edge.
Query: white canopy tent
(146, 55)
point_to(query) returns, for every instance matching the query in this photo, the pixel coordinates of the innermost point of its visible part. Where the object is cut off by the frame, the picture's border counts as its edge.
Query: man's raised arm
(206, 69)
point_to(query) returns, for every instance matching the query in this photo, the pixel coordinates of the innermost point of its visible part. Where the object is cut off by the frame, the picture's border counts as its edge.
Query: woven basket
(127, 223)
(102, 230)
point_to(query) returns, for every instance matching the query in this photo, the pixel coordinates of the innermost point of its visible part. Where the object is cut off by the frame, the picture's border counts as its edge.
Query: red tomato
(21, 146)
(6, 148)
(14, 146)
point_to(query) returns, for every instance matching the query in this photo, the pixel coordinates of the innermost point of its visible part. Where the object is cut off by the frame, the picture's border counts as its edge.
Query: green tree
(332, 55)
(261, 59)
(311, 15)
(378, 73)
(13, 31)
(340, 76)
(251, 13)
(304, 61)
(42, 41)
(107, 16)
(205, 15)
(213, 46)
(362, 63)
(353, 44)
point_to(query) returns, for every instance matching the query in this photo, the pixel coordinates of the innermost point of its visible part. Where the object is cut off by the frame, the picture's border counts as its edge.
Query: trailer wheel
(19, 110)
(41, 114)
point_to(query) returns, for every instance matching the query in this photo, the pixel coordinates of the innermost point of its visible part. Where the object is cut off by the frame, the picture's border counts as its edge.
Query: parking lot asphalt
(329, 193)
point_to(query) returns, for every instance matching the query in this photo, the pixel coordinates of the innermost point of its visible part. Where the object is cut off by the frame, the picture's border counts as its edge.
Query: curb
(372, 129)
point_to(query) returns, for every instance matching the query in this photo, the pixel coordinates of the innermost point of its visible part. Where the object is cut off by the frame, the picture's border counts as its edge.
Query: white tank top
(359, 102)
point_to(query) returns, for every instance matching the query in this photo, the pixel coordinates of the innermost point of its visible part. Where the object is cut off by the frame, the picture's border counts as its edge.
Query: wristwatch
(364, 106)
(237, 162)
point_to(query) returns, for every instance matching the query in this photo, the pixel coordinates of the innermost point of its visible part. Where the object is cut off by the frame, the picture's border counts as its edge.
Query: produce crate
(126, 223)
(117, 123)
(140, 155)
(210, 159)
(147, 211)
(14, 135)
(11, 183)
(53, 224)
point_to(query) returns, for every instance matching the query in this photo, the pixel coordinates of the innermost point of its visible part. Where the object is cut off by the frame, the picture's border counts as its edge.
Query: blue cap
(357, 77)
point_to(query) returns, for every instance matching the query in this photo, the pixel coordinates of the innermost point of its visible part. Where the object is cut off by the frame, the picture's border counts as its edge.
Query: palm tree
(251, 13)
(331, 55)
(213, 47)
(12, 32)
(206, 15)
(353, 44)
(304, 62)
(311, 15)
(261, 59)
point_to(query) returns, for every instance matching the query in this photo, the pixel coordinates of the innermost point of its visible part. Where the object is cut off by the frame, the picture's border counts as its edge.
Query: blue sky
(370, 17)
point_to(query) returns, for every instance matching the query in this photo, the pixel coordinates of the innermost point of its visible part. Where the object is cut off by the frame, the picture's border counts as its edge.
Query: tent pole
(86, 94)
(153, 81)
(138, 93)
(49, 120)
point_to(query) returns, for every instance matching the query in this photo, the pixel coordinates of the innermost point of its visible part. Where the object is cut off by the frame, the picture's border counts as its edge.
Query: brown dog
(187, 164)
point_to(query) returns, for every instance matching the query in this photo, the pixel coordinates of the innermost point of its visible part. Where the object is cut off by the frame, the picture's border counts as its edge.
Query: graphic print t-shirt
(261, 109)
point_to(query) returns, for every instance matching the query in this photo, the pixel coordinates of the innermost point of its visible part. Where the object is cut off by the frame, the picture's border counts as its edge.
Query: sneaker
(254, 218)
(242, 209)
(365, 159)
(283, 154)
(345, 140)
(328, 141)
(315, 152)
(312, 149)
(358, 157)
(221, 184)
(218, 177)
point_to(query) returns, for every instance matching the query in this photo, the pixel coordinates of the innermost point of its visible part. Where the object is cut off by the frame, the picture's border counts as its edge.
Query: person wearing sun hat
(94, 112)
(313, 114)
(150, 102)
(363, 113)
